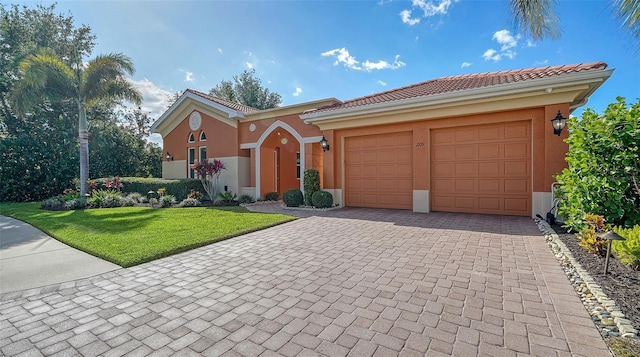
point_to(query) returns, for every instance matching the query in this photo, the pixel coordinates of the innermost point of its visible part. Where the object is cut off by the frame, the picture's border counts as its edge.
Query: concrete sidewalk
(30, 258)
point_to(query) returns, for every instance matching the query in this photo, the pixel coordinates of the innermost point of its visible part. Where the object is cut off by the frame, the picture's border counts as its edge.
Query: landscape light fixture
(324, 144)
(169, 157)
(609, 237)
(558, 123)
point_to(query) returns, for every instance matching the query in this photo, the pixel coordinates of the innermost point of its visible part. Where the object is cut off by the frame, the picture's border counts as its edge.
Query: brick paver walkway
(350, 282)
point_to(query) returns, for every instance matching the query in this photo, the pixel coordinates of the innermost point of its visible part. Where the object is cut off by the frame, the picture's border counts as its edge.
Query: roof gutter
(542, 84)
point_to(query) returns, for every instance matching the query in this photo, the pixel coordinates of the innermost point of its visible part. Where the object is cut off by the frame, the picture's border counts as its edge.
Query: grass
(129, 236)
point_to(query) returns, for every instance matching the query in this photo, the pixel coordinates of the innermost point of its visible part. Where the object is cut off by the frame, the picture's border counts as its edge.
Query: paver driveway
(350, 282)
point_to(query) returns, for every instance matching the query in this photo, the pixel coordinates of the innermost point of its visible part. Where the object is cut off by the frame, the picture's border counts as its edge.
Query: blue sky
(308, 50)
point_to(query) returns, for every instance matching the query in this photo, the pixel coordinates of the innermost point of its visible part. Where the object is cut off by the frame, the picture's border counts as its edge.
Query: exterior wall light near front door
(325, 144)
(558, 123)
(169, 157)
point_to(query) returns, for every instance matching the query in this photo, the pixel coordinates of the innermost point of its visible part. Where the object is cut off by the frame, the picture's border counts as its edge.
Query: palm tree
(539, 18)
(45, 77)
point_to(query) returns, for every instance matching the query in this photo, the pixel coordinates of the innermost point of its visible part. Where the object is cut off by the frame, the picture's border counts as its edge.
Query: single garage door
(379, 170)
(482, 169)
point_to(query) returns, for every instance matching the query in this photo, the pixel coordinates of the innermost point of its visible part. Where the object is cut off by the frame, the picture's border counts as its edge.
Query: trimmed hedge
(293, 198)
(311, 185)
(322, 199)
(180, 188)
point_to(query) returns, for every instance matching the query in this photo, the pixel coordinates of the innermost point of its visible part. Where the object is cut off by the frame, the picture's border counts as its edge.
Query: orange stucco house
(470, 143)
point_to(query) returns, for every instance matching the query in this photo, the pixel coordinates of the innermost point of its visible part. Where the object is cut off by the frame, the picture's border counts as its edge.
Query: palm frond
(44, 77)
(629, 12)
(537, 18)
(101, 72)
(119, 89)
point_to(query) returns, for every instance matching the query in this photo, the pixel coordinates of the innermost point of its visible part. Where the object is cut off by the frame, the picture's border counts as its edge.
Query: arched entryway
(279, 160)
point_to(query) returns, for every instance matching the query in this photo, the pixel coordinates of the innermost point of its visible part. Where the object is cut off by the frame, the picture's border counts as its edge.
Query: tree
(45, 77)
(539, 18)
(247, 89)
(603, 166)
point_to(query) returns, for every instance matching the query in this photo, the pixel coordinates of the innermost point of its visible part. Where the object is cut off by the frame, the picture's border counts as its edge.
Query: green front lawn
(129, 236)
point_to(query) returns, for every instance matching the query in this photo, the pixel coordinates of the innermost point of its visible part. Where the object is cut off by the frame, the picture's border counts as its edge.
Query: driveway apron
(357, 282)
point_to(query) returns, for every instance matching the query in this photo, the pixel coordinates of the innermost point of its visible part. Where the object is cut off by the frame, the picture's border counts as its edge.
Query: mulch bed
(621, 284)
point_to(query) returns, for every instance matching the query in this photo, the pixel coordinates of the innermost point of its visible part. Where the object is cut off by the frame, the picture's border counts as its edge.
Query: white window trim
(189, 169)
(203, 133)
(200, 152)
(191, 138)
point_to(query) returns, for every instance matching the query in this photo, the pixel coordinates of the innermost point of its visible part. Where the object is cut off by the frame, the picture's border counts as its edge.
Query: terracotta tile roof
(235, 106)
(462, 82)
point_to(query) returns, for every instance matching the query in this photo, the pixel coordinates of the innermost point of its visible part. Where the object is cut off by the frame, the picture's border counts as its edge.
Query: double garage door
(477, 169)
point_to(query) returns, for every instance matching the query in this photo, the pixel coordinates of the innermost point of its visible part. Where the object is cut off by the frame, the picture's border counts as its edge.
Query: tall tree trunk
(83, 135)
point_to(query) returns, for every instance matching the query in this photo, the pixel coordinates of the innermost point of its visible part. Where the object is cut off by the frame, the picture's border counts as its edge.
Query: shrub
(136, 197)
(227, 197)
(311, 185)
(162, 191)
(104, 199)
(603, 161)
(69, 194)
(588, 239)
(179, 188)
(628, 250)
(76, 203)
(195, 195)
(246, 199)
(190, 202)
(322, 199)
(166, 201)
(53, 203)
(293, 198)
(127, 201)
(271, 196)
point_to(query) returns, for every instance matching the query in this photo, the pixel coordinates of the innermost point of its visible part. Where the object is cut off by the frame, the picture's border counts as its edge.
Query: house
(481, 143)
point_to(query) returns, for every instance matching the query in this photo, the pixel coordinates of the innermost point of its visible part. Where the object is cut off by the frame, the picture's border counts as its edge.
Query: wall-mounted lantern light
(169, 157)
(324, 144)
(558, 123)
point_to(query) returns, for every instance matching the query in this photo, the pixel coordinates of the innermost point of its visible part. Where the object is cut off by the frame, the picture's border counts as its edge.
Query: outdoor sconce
(558, 123)
(609, 237)
(169, 157)
(325, 144)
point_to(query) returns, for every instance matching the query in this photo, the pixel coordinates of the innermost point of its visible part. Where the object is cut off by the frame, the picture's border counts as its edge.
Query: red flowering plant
(114, 184)
(209, 172)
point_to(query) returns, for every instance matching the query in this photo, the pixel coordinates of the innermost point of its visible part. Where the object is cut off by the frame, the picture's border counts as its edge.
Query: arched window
(203, 136)
(191, 138)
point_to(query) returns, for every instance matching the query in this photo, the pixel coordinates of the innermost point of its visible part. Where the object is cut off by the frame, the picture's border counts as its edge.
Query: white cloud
(343, 56)
(465, 64)
(219, 50)
(382, 83)
(297, 92)
(405, 15)
(429, 8)
(507, 41)
(188, 76)
(155, 99)
(249, 65)
(540, 63)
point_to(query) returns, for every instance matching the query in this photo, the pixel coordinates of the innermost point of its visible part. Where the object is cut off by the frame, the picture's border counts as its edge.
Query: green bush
(104, 199)
(53, 203)
(271, 196)
(180, 188)
(76, 203)
(293, 198)
(166, 201)
(628, 251)
(246, 199)
(603, 160)
(190, 202)
(588, 239)
(311, 185)
(127, 201)
(227, 197)
(136, 197)
(322, 199)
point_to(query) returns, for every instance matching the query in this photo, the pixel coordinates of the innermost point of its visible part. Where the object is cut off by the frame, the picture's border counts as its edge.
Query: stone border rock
(309, 208)
(605, 314)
